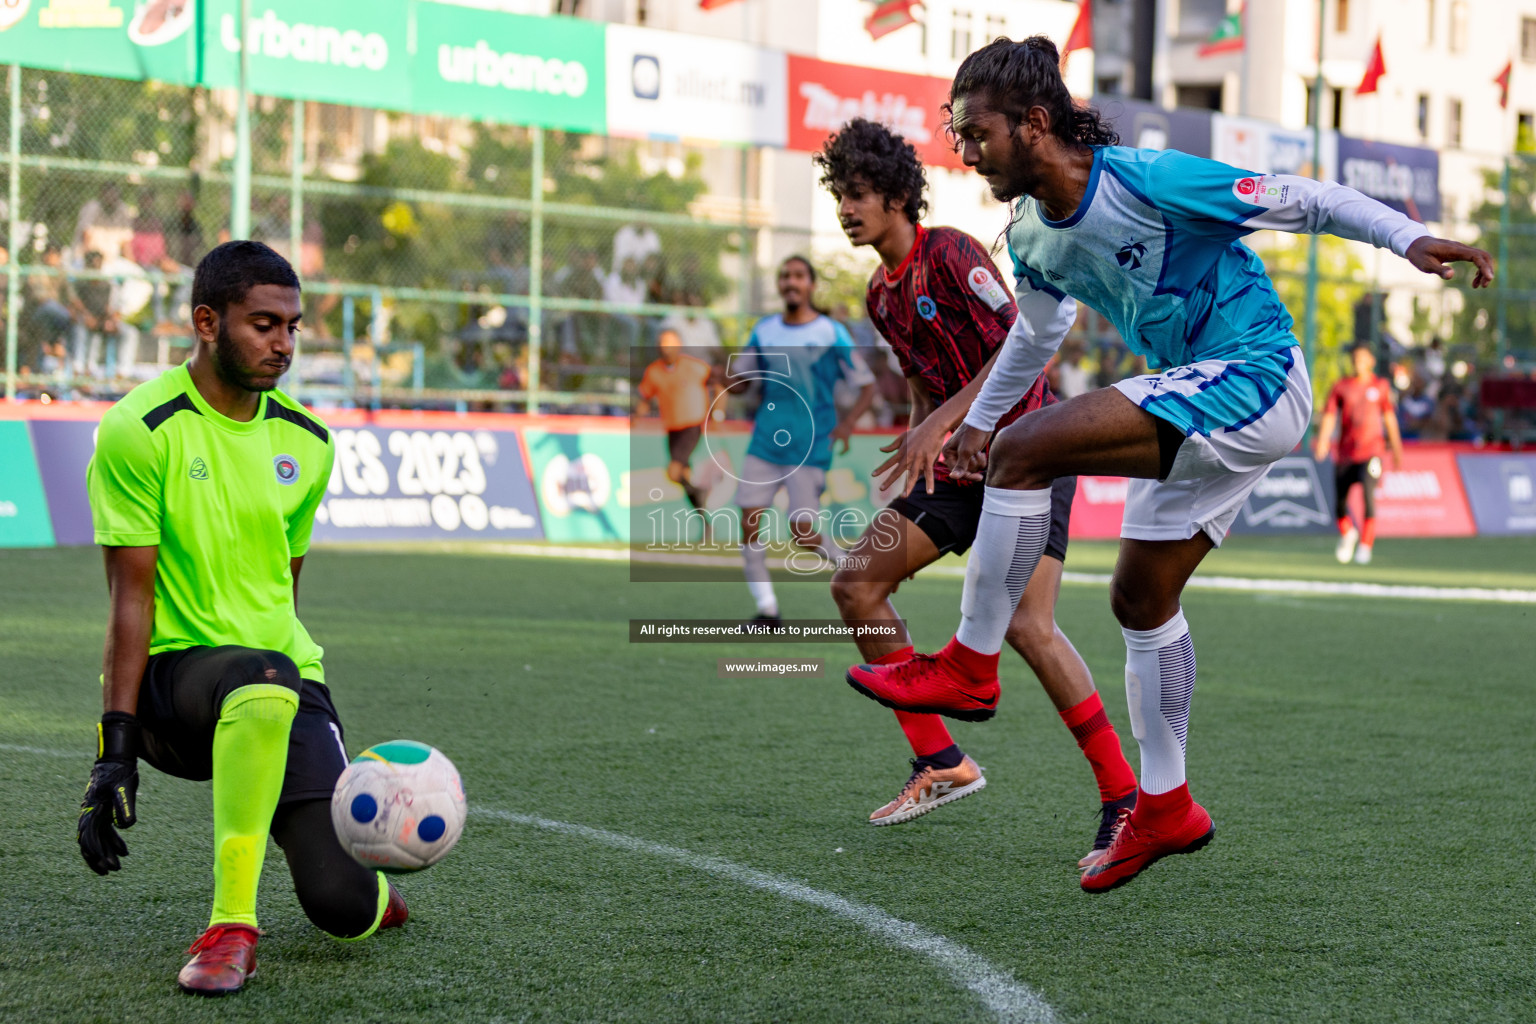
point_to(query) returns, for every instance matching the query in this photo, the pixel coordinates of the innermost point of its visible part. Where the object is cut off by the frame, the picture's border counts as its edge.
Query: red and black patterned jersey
(944, 313)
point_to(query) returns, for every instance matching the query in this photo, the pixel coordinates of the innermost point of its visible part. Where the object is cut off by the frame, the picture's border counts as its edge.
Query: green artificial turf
(1368, 764)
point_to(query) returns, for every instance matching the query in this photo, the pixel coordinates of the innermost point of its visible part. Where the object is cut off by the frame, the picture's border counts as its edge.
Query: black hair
(228, 273)
(797, 258)
(1015, 77)
(887, 163)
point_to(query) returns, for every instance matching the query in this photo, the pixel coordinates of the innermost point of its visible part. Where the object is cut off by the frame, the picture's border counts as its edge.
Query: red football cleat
(395, 912)
(225, 958)
(1134, 849)
(931, 684)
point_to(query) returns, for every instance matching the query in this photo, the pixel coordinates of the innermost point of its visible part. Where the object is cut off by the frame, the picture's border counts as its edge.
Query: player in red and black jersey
(1361, 406)
(937, 299)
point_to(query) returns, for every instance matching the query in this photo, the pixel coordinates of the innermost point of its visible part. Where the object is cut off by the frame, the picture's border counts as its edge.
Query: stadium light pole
(1501, 337)
(535, 271)
(12, 281)
(1309, 333)
(240, 201)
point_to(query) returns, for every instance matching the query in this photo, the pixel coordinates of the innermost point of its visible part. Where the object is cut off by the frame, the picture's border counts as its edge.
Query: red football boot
(957, 682)
(225, 958)
(1134, 849)
(395, 912)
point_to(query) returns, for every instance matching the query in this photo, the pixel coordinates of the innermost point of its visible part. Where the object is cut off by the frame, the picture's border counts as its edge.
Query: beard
(233, 371)
(1017, 176)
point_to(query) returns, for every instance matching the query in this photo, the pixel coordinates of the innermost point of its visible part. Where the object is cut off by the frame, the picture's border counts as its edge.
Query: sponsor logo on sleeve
(987, 288)
(1264, 191)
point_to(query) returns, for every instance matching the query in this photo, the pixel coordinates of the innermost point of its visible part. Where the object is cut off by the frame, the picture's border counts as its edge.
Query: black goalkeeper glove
(109, 798)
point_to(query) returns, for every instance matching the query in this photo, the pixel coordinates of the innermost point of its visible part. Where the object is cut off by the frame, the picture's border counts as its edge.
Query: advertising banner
(64, 449)
(509, 68)
(1423, 499)
(664, 85)
(116, 38)
(390, 484)
(1098, 507)
(823, 97)
(334, 51)
(23, 504)
(1501, 490)
(1406, 178)
(582, 480)
(1269, 149)
(1292, 499)
(1149, 126)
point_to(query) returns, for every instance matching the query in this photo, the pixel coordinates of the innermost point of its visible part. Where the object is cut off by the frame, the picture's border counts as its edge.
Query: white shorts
(1213, 473)
(760, 482)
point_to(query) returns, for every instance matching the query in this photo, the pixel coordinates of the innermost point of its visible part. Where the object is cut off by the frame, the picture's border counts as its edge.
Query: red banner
(1098, 507)
(823, 97)
(1423, 499)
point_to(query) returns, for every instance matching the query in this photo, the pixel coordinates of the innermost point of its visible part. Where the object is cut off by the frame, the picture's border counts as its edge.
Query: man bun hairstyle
(228, 272)
(1017, 76)
(870, 152)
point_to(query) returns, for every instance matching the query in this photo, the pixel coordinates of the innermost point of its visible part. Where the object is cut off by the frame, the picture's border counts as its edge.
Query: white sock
(754, 557)
(1159, 682)
(1010, 539)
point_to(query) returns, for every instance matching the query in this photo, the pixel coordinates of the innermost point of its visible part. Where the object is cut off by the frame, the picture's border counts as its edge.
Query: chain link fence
(455, 264)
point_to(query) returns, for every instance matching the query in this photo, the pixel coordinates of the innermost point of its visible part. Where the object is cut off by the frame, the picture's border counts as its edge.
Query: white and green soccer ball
(399, 806)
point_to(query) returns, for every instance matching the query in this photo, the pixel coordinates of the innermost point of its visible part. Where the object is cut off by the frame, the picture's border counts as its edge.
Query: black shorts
(1345, 476)
(681, 443)
(950, 515)
(179, 702)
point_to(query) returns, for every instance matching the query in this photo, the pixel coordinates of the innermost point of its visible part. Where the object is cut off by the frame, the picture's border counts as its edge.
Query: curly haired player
(936, 299)
(1150, 239)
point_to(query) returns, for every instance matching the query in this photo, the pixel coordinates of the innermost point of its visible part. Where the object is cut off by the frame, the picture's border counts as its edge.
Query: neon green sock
(250, 751)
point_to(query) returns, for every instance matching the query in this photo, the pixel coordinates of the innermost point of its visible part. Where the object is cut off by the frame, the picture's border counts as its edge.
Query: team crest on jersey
(199, 470)
(1130, 257)
(926, 307)
(287, 468)
(986, 288)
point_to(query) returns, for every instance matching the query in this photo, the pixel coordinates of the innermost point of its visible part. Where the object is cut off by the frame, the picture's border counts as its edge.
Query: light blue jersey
(1154, 247)
(798, 366)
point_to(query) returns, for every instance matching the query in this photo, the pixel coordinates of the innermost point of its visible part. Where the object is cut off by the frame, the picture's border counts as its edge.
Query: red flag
(709, 5)
(890, 15)
(1503, 83)
(1082, 30)
(1373, 71)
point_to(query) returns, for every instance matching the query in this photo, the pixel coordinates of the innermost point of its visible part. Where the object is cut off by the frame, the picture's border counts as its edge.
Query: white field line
(1242, 584)
(1008, 1000)
(12, 748)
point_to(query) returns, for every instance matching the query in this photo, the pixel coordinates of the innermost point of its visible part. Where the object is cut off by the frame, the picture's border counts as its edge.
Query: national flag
(709, 5)
(1228, 37)
(1503, 83)
(1373, 71)
(890, 15)
(1082, 29)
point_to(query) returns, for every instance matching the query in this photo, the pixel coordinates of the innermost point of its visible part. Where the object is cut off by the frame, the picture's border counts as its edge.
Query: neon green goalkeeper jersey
(228, 503)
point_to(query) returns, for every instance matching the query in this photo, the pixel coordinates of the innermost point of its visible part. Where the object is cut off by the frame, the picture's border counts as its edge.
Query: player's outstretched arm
(111, 794)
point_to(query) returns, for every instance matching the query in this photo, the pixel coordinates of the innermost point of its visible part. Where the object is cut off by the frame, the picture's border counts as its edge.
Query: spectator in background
(45, 316)
(1414, 407)
(1434, 368)
(1072, 377)
(623, 287)
(634, 242)
(105, 224)
(184, 241)
(93, 314)
(147, 247)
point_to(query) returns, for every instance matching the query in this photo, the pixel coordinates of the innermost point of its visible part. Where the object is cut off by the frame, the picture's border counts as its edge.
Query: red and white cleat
(930, 786)
(1135, 849)
(224, 960)
(395, 912)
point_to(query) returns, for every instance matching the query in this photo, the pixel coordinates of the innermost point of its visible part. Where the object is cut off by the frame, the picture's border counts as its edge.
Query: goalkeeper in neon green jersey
(203, 492)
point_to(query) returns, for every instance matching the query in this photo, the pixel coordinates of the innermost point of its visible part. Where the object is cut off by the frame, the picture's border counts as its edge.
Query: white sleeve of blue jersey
(1212, 198)
(1045, 316)
(854, 369)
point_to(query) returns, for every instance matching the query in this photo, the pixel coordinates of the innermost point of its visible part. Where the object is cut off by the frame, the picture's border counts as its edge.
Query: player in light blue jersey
(1150, 239)
(796, 358)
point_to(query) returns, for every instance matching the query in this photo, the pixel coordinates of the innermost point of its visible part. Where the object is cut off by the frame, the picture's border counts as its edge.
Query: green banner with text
(116, 38)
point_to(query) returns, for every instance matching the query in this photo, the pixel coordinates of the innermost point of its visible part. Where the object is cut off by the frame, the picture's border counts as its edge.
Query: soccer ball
(399, 806)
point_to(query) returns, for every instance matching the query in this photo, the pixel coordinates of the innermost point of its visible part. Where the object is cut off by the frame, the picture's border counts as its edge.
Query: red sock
(1345, 526)
(1368, 533)
(974, 664)
(1162, 812)
(1101, 746)
(926, 733)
